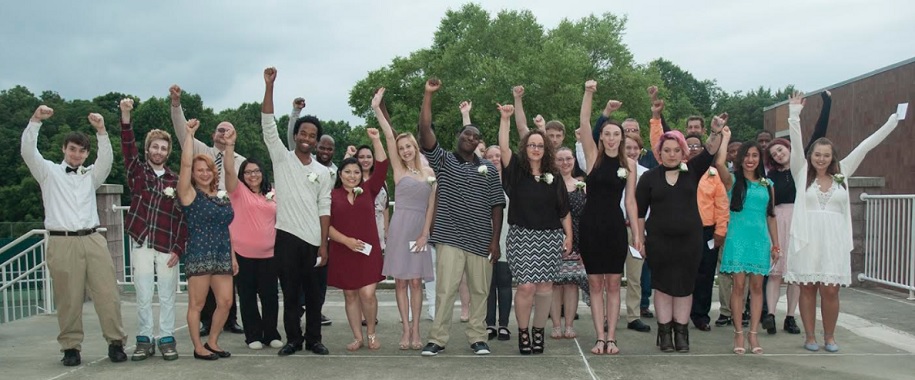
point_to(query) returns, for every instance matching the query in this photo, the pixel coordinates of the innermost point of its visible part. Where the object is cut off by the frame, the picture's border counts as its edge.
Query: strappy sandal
(599, 347)
(524, 342)
(374, 344)
(758, 350)
(404, 342)
(612, 348)
(556, 333)
(355, 345)
(570, 333)
(739, 350)
(538, 343)
(416, 342)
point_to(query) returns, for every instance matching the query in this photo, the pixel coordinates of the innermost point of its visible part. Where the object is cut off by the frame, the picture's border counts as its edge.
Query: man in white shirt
(77, 255)
(302, 222)
(215, 152)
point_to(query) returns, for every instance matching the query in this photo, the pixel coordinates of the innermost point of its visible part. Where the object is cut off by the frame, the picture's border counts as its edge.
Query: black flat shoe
(491, 332)
(317, 348)
(205, 330)
(504, 334)
(768, 323)
(289, 349)
(116, 353)
(639, 326)
(723, 320)
(222, 354)
(234, 328)
(791, 326)
(71, 357)
(211, 356)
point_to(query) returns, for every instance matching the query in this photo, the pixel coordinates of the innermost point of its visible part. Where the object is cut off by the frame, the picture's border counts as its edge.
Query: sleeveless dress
(604, 243)
(572, 270)
(407, 223)
(208, 251)
(747, 247)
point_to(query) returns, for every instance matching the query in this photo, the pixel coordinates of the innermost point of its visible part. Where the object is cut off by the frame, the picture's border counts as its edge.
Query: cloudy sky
(82, 49)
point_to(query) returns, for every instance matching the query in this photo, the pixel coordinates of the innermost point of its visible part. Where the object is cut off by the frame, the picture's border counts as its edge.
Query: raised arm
(129, 142)
(822, 122)
(850, 163)
(465, 108)
(504, 124)
(105, 157)
(275, 146)
(713, 143)
(584, 125)
(426, 136)
(721, 159)
(178, 119)
(186, 193)
(655, 127)
(229, 161)
(388, 135)
(520, 118)
(297, 105)
(37, 165)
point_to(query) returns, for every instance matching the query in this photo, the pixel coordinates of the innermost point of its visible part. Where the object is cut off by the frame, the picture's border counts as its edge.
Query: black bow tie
(70, 170)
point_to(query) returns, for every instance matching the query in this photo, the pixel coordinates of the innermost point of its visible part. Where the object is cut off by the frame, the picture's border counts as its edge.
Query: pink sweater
(253, 231)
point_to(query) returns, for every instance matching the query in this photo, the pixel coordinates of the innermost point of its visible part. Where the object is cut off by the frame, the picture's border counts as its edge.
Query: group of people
(687, 206)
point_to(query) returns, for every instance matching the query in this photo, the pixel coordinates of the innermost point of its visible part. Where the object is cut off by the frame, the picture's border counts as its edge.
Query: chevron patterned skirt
(534, 255)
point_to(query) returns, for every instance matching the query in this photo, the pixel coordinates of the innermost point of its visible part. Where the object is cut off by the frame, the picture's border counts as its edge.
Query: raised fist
(466, 106)
(378, 98)
(351, 151)
(613, 105)
(174, 92)
(97, 121)
(726, 132)
(192, 126)
(126, 105)
(270, 75)
(518, 91)
(653, 92)
(719, 121)
(797, 98)
(433, 84)
(591, 86)
(373, 134)
(298, 103)
(42, 112)
(539, 122)
(507, 110)
(657, 106)
(230, 137)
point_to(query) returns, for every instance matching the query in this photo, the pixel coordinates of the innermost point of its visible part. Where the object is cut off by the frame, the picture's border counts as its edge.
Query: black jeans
(705, 279)
(296, 261)
(206, 315)
(258, 278)
(500, 291)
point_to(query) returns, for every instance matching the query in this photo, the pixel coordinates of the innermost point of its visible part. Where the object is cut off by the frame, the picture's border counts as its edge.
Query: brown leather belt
(85, 232)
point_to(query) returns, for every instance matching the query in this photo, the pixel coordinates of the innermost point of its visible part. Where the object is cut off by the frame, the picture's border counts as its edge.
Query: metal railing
(889, 241)
(25, 288)
(128, 250)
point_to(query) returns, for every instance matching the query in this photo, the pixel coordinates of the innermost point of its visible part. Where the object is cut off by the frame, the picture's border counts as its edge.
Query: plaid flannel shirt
(151, 211)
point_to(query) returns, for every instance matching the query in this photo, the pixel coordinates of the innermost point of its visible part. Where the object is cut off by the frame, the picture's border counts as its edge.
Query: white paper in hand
(317, 261)
(711, 244)
(366, 248)
(901, 110)
(635, 252)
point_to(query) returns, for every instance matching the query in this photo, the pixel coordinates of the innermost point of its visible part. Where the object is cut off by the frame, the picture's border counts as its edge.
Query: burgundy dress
(346, 269)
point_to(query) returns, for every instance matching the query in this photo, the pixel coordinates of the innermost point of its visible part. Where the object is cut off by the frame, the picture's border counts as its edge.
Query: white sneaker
(256, 345)
(276, 344)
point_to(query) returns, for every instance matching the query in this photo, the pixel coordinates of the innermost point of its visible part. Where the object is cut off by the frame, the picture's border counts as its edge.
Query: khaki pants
(451, 263)
(633, 284)
(76, 262)
(725, 284)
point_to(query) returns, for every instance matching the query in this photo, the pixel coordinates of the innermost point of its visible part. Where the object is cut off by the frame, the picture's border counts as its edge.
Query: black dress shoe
(376, 322)
(317, 348)
(703, 326)
(491, 332)
(234, 328)
(116, 353)
(639, 326)
(645, 313)
(211, 356)
(222, 354)
(723, 320)
(768, 323)
(791, 325)
(71, 357)
(325, 321)
(205, 330)
(289, 349)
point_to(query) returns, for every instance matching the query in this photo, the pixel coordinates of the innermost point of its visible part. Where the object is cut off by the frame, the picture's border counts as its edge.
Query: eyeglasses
(535, 146)
(222, 131)
(567, 159)
(631, 130)
(694, 146)
(252, 172)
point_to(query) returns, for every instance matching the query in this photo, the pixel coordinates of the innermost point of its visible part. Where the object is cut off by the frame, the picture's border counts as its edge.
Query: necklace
(414, 171)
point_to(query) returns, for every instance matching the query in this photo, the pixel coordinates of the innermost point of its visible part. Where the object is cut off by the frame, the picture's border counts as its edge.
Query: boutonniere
(683, 167)
(83, 170)
(839, 178)
(332, 176)
(580, 185)
(430, 180)
(764, 182)
(712, 172)
(622, 173)
(169, 192)
(643, 152)
(357, 190)
(548, 178)
(482, 170)
(313, 177)
(222, 195)
(270, 195)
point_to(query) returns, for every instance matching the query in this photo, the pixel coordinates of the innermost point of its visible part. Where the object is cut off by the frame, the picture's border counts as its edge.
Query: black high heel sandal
(538, 341)
(524, 341)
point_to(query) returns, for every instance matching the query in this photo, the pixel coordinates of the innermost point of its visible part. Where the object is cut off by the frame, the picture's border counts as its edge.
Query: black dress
(603, 242)
(673, 245)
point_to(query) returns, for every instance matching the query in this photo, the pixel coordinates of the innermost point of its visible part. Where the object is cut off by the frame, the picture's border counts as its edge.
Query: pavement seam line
(583, 358)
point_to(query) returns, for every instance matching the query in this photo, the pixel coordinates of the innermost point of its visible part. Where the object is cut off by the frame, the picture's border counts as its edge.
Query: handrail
(13, 281)
(866, 196)
(20, 239)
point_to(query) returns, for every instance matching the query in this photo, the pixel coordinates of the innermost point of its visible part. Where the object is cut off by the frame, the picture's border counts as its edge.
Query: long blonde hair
(417, 162)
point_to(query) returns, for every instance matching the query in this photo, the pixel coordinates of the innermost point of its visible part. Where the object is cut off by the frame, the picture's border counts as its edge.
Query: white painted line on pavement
(584, 359)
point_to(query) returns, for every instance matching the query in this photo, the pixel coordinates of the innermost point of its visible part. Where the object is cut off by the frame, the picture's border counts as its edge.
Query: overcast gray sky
(82, 49)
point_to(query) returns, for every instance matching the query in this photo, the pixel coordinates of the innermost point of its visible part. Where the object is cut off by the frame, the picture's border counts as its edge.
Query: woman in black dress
(604, 240)
(673, 246)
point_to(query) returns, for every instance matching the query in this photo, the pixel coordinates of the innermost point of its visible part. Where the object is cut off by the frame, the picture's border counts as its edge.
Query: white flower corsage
(712, 172)
(683, 167)
(221, 194)
(270, 195)
(169, 192)
(839, 178)
(548, 178)
(332, 175)
(313, 177)
(622, 173)
(764, 182)
(357, 190)
(643, 152)
(580, 185)
(430, 180)
(482, 170)
(83, 170)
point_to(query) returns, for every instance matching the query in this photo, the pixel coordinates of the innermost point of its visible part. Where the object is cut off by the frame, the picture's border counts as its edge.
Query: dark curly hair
(547, 163)
(739, 192)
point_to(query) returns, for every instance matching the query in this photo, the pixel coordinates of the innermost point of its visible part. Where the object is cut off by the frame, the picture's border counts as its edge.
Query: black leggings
(500, 290)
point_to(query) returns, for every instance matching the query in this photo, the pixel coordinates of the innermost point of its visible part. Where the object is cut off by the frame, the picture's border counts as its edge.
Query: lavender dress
(406, 225)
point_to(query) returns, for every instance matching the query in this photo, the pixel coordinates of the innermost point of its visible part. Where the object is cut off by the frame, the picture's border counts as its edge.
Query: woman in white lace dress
(821, 233)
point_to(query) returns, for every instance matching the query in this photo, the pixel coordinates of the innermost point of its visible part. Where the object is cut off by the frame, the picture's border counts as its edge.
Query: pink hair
(676, 136)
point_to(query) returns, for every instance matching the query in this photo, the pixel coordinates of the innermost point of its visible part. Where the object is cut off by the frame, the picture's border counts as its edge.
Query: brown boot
(665, 337)
(681, 337)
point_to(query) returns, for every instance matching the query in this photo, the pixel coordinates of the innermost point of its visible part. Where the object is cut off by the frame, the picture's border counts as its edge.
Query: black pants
(296, 261)
(257, 278)
(500, 291)
(321, 277)
(206, 315)
(705, 280)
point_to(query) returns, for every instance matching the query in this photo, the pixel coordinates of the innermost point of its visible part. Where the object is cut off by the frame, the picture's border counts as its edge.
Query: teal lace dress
(747, 246)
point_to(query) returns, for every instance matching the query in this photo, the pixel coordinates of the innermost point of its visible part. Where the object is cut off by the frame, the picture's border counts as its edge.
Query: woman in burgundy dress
(355, 260)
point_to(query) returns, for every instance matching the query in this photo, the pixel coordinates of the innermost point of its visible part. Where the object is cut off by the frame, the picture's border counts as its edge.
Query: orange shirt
(713, 202)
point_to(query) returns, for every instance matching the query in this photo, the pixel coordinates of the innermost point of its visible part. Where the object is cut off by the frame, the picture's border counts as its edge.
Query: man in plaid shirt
(157, 232)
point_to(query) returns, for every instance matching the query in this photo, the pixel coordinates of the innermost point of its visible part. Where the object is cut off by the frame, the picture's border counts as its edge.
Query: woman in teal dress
(751, 245)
